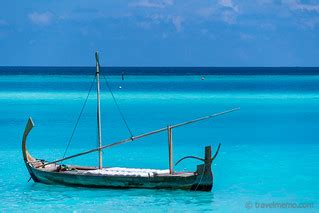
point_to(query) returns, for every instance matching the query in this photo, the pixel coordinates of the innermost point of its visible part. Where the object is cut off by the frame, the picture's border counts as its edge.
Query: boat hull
(185, 181)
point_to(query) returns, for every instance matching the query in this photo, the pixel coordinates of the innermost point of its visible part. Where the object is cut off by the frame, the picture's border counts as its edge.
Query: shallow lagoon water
(269, 148)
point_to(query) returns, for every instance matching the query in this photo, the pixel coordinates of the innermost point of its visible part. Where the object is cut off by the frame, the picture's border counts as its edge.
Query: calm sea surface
(269, 148)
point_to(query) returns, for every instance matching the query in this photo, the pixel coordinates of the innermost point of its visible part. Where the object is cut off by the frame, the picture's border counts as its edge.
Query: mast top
(97, 60)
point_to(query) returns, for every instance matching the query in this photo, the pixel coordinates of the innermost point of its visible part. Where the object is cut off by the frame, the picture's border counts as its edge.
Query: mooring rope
(117, 105)
(78, 119)
(201, 178)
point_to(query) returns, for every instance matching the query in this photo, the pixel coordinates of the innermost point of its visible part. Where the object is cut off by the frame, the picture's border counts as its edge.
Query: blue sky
(160, 32)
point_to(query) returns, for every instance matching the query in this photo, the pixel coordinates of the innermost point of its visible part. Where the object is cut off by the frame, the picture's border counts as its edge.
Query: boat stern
(204, 180)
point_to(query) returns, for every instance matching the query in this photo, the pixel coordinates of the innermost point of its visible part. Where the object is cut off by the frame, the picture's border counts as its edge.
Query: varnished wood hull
(186, 181)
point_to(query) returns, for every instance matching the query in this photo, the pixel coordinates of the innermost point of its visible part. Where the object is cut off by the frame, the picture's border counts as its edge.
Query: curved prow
(26, 156)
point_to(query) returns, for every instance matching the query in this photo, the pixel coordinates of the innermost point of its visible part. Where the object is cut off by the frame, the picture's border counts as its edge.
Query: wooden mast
(170, 149)
(99, 110)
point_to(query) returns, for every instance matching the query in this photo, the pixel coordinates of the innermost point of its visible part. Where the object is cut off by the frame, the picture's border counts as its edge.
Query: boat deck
(128, 172)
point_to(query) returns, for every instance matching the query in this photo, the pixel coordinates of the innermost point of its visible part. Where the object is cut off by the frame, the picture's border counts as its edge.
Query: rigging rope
(78, 119)
(201, 178)
(117, 105)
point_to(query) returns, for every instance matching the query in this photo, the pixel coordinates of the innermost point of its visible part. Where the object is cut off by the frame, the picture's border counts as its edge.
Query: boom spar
(141, 136)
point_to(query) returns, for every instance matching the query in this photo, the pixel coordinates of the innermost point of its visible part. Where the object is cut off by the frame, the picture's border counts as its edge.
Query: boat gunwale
(74, 173)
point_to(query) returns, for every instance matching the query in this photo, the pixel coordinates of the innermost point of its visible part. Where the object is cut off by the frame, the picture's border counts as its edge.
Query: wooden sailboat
(115, 177)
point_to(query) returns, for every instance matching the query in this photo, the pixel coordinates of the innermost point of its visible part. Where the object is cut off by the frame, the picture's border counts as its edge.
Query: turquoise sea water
(269, 148)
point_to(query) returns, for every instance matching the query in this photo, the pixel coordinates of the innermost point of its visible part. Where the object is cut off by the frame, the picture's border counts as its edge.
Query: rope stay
(117, 106)
(79, 117)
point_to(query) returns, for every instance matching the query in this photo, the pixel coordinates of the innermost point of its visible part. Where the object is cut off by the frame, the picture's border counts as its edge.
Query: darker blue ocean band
(161, 70)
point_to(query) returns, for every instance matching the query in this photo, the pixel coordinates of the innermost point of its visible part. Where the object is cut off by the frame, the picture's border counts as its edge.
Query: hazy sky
(160, 32)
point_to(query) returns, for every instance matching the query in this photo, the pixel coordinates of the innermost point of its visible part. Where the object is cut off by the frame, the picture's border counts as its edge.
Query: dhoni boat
(55, 172)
